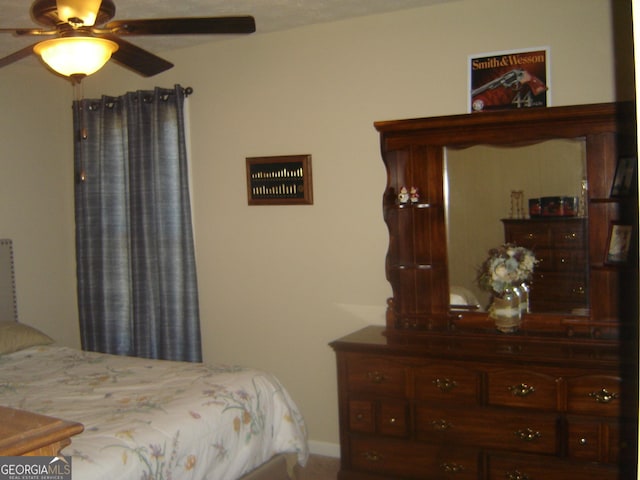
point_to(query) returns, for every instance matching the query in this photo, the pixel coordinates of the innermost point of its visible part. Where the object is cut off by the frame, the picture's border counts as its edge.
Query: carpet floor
(320, 468)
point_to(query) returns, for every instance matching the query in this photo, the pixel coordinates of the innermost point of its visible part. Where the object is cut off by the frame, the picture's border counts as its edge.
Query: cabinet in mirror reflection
(480, 181)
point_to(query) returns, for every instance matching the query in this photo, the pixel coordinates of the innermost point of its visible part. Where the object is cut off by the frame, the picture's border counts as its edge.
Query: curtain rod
(186, 91)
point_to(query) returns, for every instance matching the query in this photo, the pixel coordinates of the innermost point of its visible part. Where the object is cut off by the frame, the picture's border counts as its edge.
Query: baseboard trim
(325, 449)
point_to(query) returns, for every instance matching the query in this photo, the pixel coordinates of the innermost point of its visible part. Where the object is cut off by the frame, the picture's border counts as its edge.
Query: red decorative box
(535, 207)
(559, 206)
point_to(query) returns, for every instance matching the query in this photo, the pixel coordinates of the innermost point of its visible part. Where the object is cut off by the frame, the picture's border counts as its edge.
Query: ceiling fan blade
(21, 32)
(15, 56)
(137, 59)
(183, 26)
(69, 11)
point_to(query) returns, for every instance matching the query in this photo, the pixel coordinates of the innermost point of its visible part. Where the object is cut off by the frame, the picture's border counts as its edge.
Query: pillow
(15, 336)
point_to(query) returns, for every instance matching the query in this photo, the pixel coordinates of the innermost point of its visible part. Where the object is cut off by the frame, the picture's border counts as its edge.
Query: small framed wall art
(279, 180)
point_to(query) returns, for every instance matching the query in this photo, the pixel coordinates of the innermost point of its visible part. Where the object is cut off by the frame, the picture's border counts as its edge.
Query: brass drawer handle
(528, 435)
(372, 456)
(603, 396)
(376, 377)
(522, 390)
(571, 236)
(441, 425)
(445, 384)
(451, 467)
(516, 475)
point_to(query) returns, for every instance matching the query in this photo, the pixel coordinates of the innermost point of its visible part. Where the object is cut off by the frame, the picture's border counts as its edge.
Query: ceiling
(270, 15)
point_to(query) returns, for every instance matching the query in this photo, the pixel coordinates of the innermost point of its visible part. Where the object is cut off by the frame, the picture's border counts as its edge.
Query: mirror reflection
(483, 212)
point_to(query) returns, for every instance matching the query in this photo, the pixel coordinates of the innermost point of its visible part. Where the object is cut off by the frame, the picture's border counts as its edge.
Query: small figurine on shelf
(403, 196)
(414, 196)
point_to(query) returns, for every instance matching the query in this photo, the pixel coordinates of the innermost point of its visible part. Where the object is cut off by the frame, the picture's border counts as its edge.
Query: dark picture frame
(618, 244)
(279, 180)
(624, 180)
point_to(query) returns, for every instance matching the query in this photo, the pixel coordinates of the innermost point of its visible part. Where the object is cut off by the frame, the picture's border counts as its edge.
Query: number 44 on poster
(509, 80)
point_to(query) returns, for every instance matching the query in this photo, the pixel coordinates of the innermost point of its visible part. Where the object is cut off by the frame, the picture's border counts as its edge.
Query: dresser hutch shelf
(437, 393)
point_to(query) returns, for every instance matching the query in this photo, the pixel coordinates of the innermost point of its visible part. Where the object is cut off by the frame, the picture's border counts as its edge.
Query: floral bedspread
(153, 419)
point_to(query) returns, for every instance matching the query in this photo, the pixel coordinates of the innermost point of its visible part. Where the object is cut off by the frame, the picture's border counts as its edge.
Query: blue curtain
(137, 288)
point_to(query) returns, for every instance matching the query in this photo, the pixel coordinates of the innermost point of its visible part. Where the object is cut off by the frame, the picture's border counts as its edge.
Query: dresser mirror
(485, 184)
(422, 254)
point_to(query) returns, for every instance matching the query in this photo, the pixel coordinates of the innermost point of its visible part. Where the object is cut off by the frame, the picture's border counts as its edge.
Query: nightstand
(27, 433)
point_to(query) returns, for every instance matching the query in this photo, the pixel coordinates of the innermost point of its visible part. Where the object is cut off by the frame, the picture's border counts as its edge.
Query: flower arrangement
(507, 266)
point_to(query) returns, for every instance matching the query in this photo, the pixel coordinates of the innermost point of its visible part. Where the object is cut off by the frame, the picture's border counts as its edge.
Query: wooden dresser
(438, 393)
(559, 243)
(27, 433)
(465, 407)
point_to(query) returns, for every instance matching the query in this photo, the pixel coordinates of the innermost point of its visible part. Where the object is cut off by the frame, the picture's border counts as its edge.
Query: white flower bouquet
(507, 266)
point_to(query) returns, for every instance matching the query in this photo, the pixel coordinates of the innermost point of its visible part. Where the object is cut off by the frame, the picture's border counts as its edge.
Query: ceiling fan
(81, 30)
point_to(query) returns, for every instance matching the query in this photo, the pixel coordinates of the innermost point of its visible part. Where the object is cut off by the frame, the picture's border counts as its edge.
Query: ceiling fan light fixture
(83, 11)
(76, 55)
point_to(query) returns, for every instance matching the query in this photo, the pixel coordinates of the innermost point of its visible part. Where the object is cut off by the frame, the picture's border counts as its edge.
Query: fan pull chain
(78, 93)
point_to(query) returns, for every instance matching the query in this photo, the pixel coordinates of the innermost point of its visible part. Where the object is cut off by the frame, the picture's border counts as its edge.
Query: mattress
(153, 418)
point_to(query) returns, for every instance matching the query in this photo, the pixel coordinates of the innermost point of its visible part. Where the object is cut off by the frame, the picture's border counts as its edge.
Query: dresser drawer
(563, 260)
(594, 395)
(362, 417)
(532, 467)
(522, 388)
(401, 459)
(521, 431)
(386, 417)
(447, 383)
(544, 256)
(594, 440)
(376, 376)
(559, 287)
(393, 418)
(568, 236)
(570, 261)
(530, 235)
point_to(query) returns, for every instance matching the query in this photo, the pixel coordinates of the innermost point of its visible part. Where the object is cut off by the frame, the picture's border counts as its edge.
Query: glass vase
(523, 288)
(505, 310)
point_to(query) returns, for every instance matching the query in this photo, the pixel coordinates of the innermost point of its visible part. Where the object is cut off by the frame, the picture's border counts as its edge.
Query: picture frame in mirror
(618, 244)
(623, 182)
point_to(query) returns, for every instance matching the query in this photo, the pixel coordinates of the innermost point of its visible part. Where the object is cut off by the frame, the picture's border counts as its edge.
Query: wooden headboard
(8, 303)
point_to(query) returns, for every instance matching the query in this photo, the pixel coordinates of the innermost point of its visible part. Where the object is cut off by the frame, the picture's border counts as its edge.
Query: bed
(154, 419)
(461, 298)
